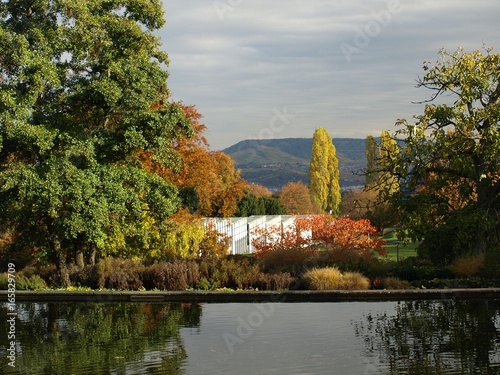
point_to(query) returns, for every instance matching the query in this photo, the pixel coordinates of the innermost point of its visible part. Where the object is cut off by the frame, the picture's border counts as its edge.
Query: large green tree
(324, 174)
(82, 90)
(449, 163)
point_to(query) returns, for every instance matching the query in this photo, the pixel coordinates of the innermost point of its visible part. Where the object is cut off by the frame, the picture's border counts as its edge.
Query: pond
(407, 337)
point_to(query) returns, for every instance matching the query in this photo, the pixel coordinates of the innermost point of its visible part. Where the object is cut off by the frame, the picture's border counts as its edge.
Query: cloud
(266, 55)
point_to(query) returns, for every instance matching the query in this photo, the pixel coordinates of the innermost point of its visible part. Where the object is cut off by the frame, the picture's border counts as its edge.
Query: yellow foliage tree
(389, 152)
(324, 175)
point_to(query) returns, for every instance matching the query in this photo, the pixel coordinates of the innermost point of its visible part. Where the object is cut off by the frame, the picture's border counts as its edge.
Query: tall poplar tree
(82, 91)
(371, 152)
(324, 175)
(389, 151)
(334, 195)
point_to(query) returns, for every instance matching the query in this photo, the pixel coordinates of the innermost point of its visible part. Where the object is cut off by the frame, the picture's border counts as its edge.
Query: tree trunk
(93, 253)
(79, 259)
(61, 263)
(483, 207)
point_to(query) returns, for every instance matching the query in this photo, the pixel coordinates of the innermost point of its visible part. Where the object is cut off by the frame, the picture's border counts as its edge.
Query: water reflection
(99, 338)
(419, 337)
(434, 337)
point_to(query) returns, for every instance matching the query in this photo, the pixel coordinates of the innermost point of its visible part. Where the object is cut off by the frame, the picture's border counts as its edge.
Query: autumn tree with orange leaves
(206, 177)
(297, 199)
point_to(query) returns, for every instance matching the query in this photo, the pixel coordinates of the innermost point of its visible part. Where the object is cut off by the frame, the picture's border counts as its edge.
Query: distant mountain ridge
(275, 162)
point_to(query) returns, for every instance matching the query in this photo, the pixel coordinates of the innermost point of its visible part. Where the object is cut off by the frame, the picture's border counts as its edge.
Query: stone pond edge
(252, 296)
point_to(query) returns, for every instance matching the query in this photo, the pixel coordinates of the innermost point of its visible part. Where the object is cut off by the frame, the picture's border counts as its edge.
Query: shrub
(347, 234)
(328, 278)
(88, 276)
(390, 283)
(321, 231)
(275, 281)
(469, 265)
(183, 238)
(25, 280)
(214, 243)
(348, 260)
(443, 244)
(178, 275)
(415, 268)
(50, 274)
(293, 260)
(492, 261)
(4, 281)
(34, 282)
(236, 272)
(121, 274)
(205, 284)
(355, 281)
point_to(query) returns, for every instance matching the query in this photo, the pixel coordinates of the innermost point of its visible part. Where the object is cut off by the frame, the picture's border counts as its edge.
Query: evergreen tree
(324, 175)
(273, 206)
(252, 205)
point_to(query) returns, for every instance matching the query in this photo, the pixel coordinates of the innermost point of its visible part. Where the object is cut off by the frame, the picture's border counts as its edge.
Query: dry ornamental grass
(330, 278)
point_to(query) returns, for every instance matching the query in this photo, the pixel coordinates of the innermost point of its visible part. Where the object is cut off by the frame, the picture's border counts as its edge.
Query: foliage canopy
(449, 163)
(82, 91)
(324, 174)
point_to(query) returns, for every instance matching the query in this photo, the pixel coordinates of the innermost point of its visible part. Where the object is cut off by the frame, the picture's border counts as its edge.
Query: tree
(273, 206)
(82, 90)
(454, 147)
(260, 191)
(387, 180)
(334, 194)
(217, 184)
(356, 203)
(297, 199)
(252, 205)
(324, 175)
(371, 152)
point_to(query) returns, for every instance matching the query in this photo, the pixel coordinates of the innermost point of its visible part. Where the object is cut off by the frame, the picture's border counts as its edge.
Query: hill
(275, 162)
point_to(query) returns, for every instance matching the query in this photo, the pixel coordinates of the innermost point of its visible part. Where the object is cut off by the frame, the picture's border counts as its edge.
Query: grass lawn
(405, 249)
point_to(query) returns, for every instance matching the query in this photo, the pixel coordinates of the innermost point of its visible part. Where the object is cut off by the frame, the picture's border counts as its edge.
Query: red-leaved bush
(319, 231)
(347, 234)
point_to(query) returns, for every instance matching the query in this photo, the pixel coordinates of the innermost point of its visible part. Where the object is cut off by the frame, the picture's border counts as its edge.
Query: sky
(261, 69)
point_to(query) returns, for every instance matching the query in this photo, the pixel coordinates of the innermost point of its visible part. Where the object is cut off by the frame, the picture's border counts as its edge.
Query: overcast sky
(259, 69)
